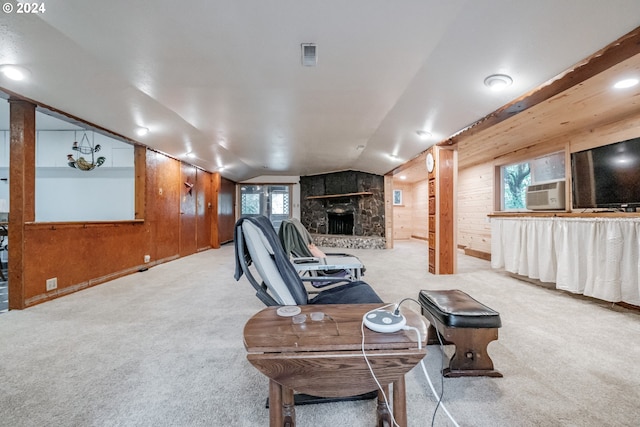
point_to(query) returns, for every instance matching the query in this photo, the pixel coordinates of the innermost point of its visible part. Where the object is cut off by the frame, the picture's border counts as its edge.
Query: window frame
(499, 199)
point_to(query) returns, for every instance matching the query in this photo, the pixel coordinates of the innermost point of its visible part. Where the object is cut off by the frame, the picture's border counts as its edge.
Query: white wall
(73, 195)
(106, 193)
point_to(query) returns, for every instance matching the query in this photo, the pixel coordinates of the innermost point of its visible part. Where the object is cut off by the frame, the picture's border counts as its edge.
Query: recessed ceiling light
(423, 134)
(142, 131)
(190, 154)
(497, 82)
(403, 177)
(623, 84)
(14, 72)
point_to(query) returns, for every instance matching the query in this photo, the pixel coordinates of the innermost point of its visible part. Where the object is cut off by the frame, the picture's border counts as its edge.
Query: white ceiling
(223, 78)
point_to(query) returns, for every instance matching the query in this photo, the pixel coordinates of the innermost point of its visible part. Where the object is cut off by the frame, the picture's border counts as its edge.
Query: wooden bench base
(470, 358)
(460, 320)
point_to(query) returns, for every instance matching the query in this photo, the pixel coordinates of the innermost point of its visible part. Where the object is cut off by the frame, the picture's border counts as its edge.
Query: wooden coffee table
(324, 358)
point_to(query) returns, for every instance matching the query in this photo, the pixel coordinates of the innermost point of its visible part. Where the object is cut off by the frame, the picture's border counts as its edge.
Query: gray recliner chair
(298, 243)
(275, 279)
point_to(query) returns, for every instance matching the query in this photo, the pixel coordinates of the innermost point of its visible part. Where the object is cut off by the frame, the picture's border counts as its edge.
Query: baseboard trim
(628, 306)
(477, 254)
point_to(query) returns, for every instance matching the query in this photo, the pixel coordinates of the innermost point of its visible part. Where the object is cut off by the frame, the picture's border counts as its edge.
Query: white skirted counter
(595, 256)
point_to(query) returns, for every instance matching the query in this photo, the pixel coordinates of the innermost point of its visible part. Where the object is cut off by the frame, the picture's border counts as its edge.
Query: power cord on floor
(366, 359)
(439, 398)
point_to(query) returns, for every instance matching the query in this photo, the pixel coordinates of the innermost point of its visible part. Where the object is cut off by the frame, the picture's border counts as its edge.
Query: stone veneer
(349, 242)
(367, 209)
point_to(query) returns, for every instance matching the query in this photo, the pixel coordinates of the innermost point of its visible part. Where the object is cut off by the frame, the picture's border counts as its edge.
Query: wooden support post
(22, 181)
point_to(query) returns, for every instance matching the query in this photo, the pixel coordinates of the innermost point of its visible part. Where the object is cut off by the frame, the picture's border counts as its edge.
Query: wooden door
(188, 217)
(203, 210)
(226, 210)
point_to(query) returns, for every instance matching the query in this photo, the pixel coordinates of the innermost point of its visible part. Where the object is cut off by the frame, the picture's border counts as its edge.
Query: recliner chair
(277, 282)
(298, 243)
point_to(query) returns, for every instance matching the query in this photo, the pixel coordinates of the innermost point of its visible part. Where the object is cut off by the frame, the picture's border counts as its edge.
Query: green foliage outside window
(516, 178)
(250, 204)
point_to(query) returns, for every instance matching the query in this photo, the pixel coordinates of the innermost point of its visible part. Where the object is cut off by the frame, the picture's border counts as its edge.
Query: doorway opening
(272, 201)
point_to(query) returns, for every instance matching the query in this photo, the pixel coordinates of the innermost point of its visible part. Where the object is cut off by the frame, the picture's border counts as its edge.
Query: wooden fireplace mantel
(329, 196)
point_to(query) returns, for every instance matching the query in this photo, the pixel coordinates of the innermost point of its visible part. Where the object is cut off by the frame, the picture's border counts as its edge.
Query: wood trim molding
(140, 162)
(562, 214)
(215, 194)
(329, 196)
(388, 211)
(477, 254)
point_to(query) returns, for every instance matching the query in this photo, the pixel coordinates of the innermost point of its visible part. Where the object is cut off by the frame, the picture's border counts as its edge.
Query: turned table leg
(384, 416)
(288, 408)
(400, 402)
(275, 404)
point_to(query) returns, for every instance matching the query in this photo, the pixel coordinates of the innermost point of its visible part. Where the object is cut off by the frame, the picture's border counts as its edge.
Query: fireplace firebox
(341, 223)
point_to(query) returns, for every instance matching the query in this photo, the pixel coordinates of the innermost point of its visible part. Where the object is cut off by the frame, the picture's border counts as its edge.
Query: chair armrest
(305, 260)
(340, 254)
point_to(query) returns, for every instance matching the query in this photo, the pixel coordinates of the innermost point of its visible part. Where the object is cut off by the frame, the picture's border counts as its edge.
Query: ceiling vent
(309, 55)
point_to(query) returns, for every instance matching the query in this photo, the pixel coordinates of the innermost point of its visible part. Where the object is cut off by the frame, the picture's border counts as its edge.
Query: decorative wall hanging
(84, 148)
(189, 187)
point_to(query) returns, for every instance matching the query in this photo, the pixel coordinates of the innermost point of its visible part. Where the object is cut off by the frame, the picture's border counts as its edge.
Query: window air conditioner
(546, 196)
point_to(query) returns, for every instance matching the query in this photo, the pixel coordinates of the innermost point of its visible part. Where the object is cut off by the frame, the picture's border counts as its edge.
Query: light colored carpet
(164, 348)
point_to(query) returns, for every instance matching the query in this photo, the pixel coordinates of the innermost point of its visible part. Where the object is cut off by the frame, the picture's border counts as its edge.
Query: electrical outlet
(52, 284)
(147, 258)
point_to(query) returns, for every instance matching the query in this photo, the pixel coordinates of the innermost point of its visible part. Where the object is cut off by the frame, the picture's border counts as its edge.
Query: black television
(607, 176)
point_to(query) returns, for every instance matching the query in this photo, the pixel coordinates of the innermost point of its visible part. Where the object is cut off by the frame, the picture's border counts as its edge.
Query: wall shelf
(329, 196)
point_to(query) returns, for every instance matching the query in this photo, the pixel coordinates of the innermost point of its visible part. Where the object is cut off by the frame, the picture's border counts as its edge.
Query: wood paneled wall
(475, 201)
(420, 216)
(80, 255)
(476, 184)
(162, 213)
(83, 254)
(188, 220)
(403, 214)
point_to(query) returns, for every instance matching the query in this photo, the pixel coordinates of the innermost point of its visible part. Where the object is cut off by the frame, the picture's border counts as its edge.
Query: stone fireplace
(344, 209)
